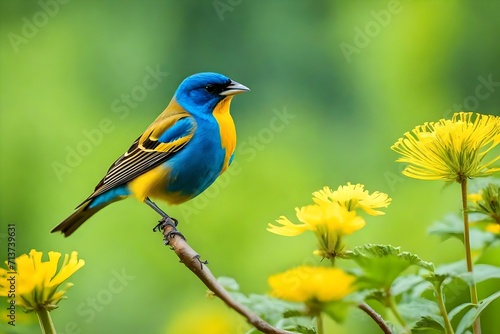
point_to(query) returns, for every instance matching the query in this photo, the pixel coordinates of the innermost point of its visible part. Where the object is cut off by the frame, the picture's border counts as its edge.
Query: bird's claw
(197, 256)
(162, 223)
(171, 235)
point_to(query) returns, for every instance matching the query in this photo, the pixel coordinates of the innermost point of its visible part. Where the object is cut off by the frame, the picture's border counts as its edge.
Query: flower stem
(442, 308)
(45, 321)
(468, 256)
(394, 309)
(319, 324)
(376, 317)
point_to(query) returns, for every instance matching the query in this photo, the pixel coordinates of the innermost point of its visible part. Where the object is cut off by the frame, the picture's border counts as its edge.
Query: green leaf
(407, 283)
(452, 269)
(376, 294)
(416, 309)
(382, 264)
(297, 325)
(228, 283)
(293, 313)
(356, 297)
(482, 272)
(476, 184)
(429, 323)
(452, 226)
(458, 309)
(469, 317)
(337, 310)
(271, 309)
(303, 329)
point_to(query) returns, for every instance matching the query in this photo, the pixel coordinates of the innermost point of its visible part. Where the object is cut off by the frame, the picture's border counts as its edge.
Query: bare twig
(376, 317)
(191, 259)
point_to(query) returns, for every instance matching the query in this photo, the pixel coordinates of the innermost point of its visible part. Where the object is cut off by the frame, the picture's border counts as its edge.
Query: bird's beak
(233, 89)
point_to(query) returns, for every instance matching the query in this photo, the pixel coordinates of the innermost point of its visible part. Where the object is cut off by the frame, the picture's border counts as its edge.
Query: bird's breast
(227, 129)
(196, 165)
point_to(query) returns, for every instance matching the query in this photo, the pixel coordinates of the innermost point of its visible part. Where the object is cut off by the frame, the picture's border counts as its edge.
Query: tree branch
(376, 317)
(191, 259)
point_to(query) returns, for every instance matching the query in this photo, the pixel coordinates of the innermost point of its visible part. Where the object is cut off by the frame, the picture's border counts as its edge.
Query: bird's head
(201, 92)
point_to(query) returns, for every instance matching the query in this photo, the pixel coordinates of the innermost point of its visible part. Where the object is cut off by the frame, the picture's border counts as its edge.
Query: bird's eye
(210, 88)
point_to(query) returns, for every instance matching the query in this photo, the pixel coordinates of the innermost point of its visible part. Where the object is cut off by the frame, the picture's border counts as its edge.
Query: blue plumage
(178, 156)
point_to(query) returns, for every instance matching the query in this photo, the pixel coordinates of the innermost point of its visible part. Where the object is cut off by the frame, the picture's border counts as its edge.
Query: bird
(179, 155)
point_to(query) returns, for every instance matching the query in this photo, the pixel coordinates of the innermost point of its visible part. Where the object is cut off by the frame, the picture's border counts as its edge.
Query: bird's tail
(82, 213)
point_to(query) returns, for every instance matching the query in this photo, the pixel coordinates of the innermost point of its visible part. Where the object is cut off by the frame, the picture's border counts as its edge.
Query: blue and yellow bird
(178, 156)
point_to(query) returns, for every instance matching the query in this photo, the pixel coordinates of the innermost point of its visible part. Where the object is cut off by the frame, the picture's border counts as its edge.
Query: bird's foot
(170, 235)
(172, 222)
(162, 223)
(201, 262)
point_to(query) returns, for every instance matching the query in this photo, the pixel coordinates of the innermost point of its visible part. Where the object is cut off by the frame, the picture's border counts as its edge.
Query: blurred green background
(334, 85)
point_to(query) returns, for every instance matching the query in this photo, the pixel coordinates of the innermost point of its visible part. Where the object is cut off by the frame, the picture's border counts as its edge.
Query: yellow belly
(153, 184)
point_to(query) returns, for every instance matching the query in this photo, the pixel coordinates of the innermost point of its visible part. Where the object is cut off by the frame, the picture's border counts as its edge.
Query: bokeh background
(334, 85)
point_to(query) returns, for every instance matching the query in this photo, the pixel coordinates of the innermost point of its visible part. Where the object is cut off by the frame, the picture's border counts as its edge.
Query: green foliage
(452, 227)
(382, 264)
(278, 313)
(429, 323)
(338, 311)
(474, 312)
(415, 291)
(414, 310)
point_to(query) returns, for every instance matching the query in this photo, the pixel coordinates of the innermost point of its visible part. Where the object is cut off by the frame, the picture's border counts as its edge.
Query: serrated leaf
(438, 279)
(413, 311)
(304, 330)
(429, 323)
(469, 317)
(296, 325)
(381, 264)
(376, 294)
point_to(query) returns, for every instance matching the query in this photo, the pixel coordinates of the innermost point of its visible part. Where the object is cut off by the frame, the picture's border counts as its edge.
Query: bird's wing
(166, 136)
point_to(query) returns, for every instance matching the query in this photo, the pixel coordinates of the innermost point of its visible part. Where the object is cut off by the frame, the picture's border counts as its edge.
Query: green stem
(45, 321)
(395, 312)
(319, 324)
(468, 256)
(442, 308)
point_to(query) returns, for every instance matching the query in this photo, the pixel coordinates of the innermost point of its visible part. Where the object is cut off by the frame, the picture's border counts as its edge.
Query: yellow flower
(450, 150)
(493, 228)
(333, 216)
(311, 284)
(328, 220)
(36, 283)
(318, 217)
(354, 197)
(475, 198)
